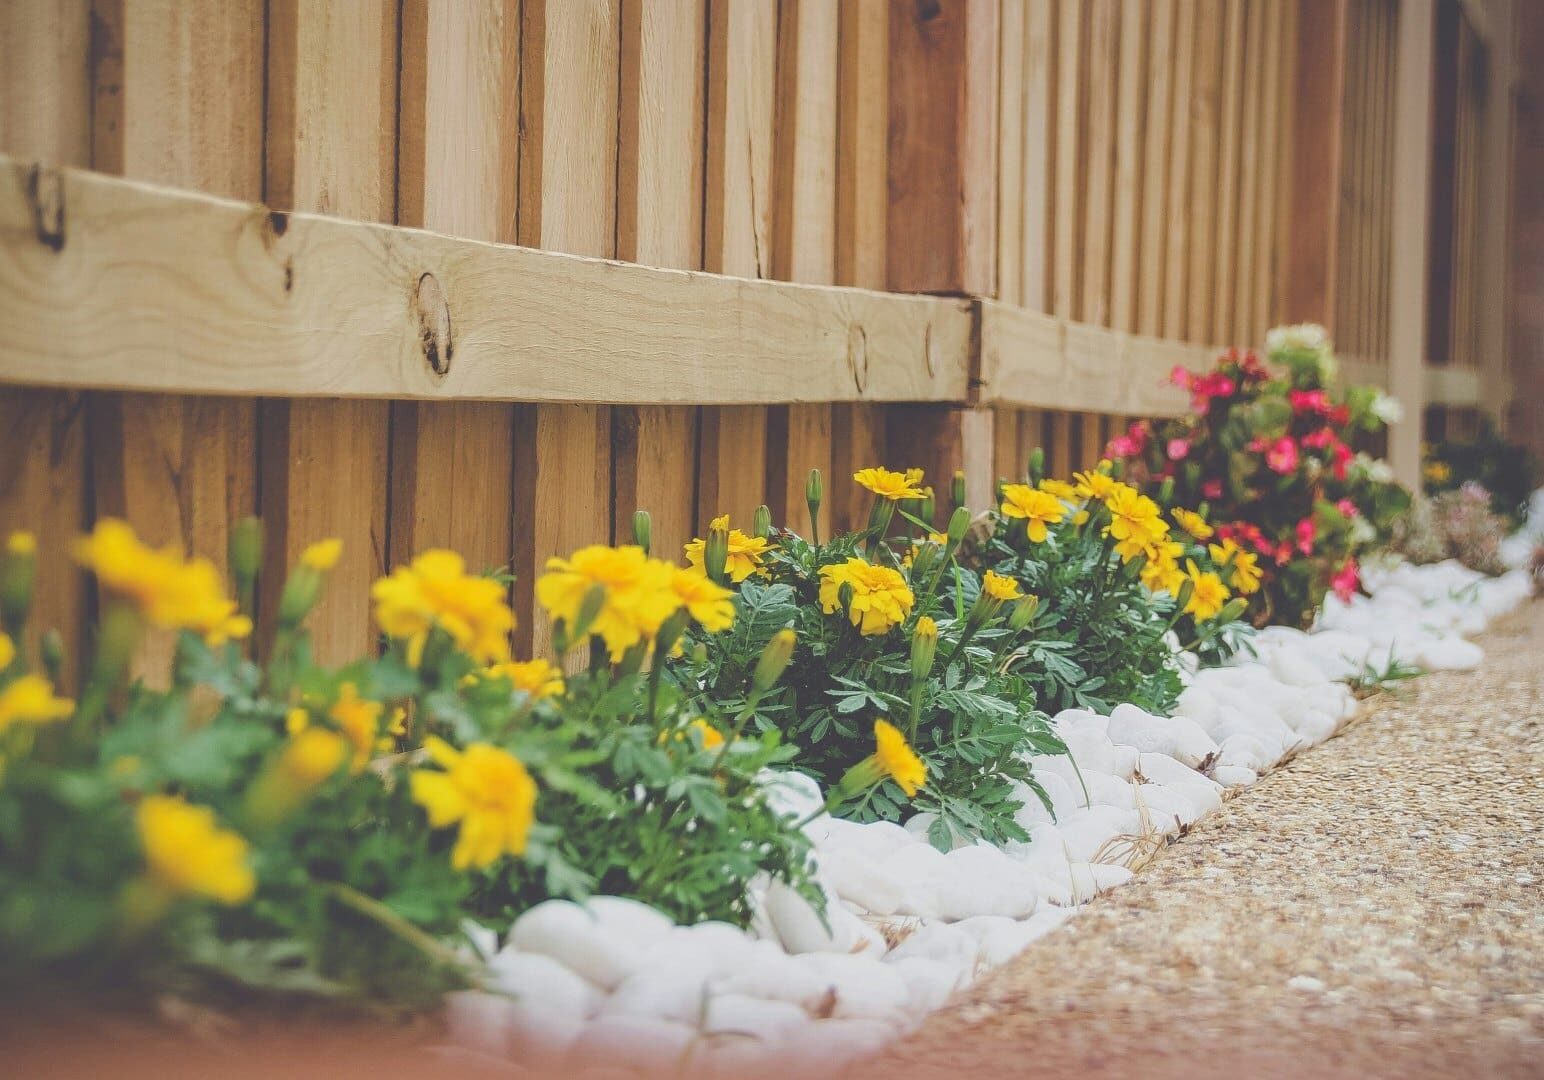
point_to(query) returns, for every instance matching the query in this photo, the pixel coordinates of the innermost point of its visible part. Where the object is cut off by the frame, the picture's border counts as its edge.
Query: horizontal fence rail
(113, 284)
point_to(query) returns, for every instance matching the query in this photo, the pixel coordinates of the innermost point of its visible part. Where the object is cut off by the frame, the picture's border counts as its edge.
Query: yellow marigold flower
(435, 590)
(311, 756)
(1037, 508)
(538, 678)
(187, 852)
(711, 605)
(999, 587)
(171, 593)
(1095, 484)
(360, 721)
(7, 650)
(1437, 472)
(1133, 516)
(1163, 574)
(745, 552)
(897, 759)
(1080, 518)
(880, 596)
(484, 788)
(639, 592)
(1060, 488)
(1192, 522)
(891, 485)
(30, 700)
(1210, 593)
(21, 542)
(1246, 565)
(323, 555)
(711, 737)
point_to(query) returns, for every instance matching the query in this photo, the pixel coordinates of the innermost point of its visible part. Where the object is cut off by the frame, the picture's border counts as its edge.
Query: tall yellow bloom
(710, 604)
(1210, 593)
(1037, 508)
(1162, 572)
(188, 853)
(1192, 522)
(639, 593)
(891, 485)
(745, 552)
(1245, 565)
(1134, 517)
(880, 596)
(170, 592)
(30, 700)
(436, 591)
(484, 788)
(1096, 484)
(999, 587)
(323, 555)
(360, 721)
(1060, 488)
(538, 678)
(897, 759)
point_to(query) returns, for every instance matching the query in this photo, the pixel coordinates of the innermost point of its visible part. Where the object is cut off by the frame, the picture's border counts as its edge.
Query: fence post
(942, 222)
(1313, 202)
(1408, 255)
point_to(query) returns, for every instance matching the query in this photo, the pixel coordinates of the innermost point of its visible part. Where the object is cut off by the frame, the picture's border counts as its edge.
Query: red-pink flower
(1308, 401)
(1347, 508)
(1318, 440)
(1181, 376)
(1340, 416)
(1282, 456)
(1346, 580)
(1342, 459)
(1212, 489)
(1307, 532)
(1179, 449)
(1283, 554)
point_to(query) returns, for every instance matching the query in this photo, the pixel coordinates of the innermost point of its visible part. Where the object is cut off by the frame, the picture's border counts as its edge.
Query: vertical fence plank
(1103, 61)
(804, 231)
(742, 51)
(863, 117)
(1013, 191)
(1229, 168)
(659, 222)
(45, 113)
(1129, 159)
(1070, 203)
(1176, 284)
(1205, 94)
(1039, 143)
(569, 72)
(1251, 153)
(178, 98)
(1155, 169)
(1313, 179)
(1270, 250)
(331, 148)
(452, 481)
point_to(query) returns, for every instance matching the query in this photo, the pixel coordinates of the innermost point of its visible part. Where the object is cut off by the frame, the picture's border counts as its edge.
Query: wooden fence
(758, 237)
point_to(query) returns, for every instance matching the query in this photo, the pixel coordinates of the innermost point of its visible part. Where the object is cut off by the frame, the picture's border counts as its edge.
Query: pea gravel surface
(1373, 908)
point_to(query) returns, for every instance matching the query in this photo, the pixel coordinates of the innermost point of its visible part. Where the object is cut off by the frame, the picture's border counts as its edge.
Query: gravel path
(1374, 908)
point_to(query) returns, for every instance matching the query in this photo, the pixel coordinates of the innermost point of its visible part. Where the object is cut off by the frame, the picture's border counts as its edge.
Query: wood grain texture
(1155, 170)
(1314, 179)
(1230, 113)
(348, 324)
(1039, 188)
(1012, 195)
(45, 113)
(1099, 117)
(1205, 130)
(659, 222)
(569, 87)
(331, 149)
(737, 229)
(1176, 277)
(1066, 281)
(452, 478)
(178, 99)
(1129, 164)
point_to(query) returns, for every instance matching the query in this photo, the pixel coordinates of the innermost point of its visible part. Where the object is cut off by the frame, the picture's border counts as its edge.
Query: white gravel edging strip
(614, 984)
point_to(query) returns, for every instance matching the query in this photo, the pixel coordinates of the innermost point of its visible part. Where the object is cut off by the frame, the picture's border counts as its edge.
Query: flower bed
(771, 809)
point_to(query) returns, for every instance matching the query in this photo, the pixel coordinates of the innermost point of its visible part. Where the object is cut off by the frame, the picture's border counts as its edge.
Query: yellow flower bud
(323, 555)
(924, 644)
(774, 659)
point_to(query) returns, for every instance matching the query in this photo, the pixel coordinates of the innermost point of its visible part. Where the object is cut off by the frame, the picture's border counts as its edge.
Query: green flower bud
(246, 558)
(51, 646)
(1233, 609)
(1023, 613)
(814, 494)
(18, 575)
(926, 508)
(774, 660)
(923, 559)
(844, 595)
(957, 488)
(715, 555)
(1036, 465)
(880, 515)
(1166, 491)
(670, 632)
(1186, 591)
(924, 645)
(643, 530)
(761, 524)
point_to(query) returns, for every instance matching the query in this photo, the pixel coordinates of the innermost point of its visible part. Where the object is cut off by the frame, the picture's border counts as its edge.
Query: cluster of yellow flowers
(167, 590)
(745, 552)
(639, 594)
(894, 486)
(1138, 529)
(436, 591)
(879, 596)
(536, 678)
(1244, 565)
